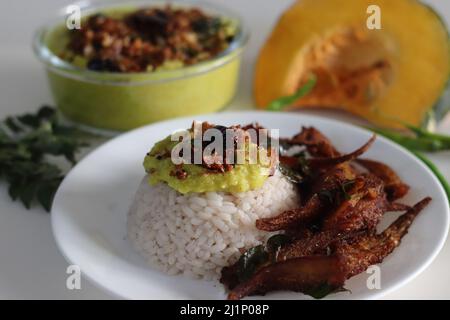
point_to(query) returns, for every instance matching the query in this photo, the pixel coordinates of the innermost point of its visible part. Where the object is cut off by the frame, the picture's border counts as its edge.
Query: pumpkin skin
(399, 72)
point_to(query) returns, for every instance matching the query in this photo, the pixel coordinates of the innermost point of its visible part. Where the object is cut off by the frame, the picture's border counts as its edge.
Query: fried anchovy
(329, 161)
(349, 258)
(316, 143)
(306, 246)
(300, 274)
(373, 248)
(363, 209)
(331, 180)
(394, 186)
(309, 211)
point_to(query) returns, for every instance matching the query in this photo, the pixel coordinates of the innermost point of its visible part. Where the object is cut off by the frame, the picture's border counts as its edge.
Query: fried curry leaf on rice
(331, 236)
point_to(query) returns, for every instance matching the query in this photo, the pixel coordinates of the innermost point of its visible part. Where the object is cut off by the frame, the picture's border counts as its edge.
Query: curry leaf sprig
(26, 142)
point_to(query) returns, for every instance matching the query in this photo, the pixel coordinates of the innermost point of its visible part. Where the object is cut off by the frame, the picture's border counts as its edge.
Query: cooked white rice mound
(199, 233)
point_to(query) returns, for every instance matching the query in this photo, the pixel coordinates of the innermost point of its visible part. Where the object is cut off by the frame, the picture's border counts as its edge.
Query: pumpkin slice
(400, 71)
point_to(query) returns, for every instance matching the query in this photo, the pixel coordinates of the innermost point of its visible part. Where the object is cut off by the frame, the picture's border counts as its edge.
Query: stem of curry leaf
(283, 102)
(423, 143)
(422, 133)
(435, 170)
(422, 138)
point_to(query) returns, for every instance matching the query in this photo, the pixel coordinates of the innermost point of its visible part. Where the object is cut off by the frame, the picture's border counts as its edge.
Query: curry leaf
(323, 290)
(327, 195)
(276, 242)
(345, 187)
(25, 142)
(292, 175)
(46, 193)
(27, 193)
(250, 260)
(12, 125)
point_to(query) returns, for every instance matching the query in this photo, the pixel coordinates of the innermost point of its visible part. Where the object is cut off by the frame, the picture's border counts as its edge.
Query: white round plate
(90, 209)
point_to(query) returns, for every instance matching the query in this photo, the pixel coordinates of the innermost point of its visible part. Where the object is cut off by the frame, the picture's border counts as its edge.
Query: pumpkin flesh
(398, 72)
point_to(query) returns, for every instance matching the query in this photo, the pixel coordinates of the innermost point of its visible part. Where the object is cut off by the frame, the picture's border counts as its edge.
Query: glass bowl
(122, 101)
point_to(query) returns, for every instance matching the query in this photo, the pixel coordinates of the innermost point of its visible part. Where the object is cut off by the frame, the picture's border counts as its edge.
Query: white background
(30, 265)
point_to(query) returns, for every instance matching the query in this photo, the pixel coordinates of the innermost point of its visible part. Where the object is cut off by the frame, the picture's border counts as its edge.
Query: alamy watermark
(73, 281)
(73, 19)
(373, 22)
(374, 280)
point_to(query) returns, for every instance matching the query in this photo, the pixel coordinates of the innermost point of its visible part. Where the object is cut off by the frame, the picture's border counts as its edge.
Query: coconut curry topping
(214, 169)
(148, 39)
(179, 172)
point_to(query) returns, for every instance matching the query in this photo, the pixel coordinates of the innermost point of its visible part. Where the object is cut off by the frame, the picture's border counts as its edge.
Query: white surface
(90, 210)
(31, 266)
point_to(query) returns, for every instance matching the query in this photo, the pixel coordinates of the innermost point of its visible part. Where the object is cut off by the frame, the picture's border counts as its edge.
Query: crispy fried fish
(316, 143)
(300, 274)
(364, 251)
(349, 258)
(329, 181)
(394, 186)
(332, 235)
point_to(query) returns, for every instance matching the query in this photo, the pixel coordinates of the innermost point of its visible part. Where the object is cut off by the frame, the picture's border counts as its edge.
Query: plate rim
(376, 295)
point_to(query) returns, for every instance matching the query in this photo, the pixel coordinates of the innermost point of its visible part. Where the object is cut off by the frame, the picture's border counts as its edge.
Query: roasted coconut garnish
(332, 235)
(217, 162)
(148, 39)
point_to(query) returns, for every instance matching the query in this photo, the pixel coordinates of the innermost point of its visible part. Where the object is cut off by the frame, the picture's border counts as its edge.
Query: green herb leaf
(327, 195)
(46, 193)
(414, 143)
(249, 262)
(295, 173)
(345, 187)
(274, 243)
(322, 290)
(12, 125)
(283, 102)
(25, 142)
(15, 189)
(292, 175)
(27, 193)
(435, 170)
(336, 195)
